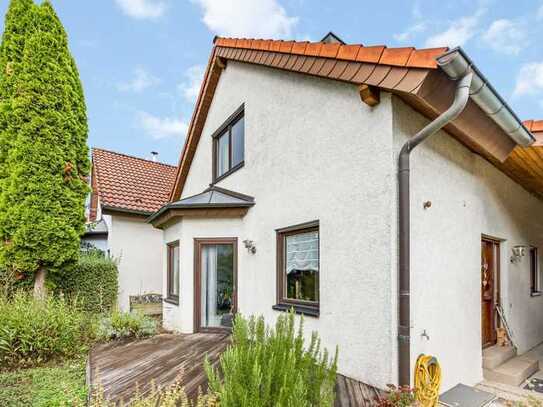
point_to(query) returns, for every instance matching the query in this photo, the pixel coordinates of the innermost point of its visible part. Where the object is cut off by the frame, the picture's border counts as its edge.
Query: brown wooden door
(489, 290)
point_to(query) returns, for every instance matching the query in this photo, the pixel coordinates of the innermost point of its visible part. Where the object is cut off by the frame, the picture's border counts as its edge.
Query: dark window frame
(226, 128)
(535, 278)
(283, 303)
(170, 297)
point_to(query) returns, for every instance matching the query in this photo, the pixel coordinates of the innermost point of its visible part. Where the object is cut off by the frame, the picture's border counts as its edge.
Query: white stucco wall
(300, 170)
(314, 151)
(138, 247)
(470, 197)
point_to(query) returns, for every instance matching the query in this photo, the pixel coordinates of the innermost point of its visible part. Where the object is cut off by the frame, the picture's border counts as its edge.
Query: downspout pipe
(461, 98)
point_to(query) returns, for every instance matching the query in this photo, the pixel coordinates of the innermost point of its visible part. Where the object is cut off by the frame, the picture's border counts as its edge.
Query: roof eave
(456, 63)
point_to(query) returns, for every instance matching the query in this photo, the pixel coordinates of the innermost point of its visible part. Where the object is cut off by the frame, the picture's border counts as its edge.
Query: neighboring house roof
(536, 127)
(131, 184)
(412, 74)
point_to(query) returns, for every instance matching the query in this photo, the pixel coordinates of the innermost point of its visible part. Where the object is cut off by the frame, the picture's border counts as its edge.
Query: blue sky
(141, 60)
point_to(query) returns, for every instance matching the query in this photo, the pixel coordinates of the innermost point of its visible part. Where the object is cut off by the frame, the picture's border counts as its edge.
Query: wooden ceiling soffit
(525, 166)
(472, 128)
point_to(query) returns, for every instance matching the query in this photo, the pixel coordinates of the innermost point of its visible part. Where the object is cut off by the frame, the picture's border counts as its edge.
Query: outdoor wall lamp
(519, 252)
(250, 246)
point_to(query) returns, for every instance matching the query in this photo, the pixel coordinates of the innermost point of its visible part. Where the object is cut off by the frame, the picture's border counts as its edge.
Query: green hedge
(35, 331)
(94, 283)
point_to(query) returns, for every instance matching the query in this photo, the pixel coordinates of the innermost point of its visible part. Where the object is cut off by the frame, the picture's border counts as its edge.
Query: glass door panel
(217, 285)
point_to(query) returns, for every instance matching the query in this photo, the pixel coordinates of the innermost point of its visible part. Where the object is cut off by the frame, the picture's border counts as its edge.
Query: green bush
(126, 325)
(34, 331)
(94, 283)
(56, 385)
(273, 367)
(171, 396)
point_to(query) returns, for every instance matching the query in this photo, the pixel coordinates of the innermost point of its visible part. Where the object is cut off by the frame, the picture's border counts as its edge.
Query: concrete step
(495, 356)
(513, 372)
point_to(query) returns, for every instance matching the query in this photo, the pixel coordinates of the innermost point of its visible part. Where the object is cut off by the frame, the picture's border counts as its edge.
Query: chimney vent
(154, 156)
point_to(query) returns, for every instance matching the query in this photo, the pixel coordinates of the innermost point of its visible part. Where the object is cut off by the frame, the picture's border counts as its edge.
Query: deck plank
(120, 368)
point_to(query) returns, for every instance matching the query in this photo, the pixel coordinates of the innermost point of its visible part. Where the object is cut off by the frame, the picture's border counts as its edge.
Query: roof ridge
(133, 156)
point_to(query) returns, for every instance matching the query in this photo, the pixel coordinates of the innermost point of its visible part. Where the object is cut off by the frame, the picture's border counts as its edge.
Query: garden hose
(427, 381)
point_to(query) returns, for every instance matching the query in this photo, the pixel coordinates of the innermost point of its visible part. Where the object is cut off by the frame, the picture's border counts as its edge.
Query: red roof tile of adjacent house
(536, 128)
(129, 183)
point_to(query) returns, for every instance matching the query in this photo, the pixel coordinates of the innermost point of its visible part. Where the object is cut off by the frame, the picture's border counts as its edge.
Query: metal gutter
(404, 318)
(456, 63)
(473, 85)
(107, 210)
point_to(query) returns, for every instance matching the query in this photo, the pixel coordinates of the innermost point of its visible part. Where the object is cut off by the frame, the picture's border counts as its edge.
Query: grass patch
(59, 385)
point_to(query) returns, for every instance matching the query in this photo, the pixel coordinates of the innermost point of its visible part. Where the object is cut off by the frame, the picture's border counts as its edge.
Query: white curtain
(302, 252)
(209, 287)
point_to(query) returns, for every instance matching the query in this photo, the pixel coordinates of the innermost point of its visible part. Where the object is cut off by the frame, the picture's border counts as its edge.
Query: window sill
(298, 309)
(173, 301)
(535, 294)
(229, 172)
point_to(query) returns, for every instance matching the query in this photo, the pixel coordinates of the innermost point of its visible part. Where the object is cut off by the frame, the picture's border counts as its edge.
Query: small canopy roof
(212, 198)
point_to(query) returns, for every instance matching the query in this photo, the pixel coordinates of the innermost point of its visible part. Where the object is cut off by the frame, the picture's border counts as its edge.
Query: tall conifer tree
(42, 203)
(17, 27)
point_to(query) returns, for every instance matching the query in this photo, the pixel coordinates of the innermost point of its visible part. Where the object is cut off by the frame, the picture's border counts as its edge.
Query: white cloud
(459, 32)
(506, 36)
(193, 80)
(162, 127)
(529, 79)
(410, 32)
(142, 9)
(142, 80)
(247, 18)
(539, 14)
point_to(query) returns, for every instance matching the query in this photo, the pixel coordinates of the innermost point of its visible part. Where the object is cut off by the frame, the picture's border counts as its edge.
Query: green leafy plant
(44, 186)
(273, 367)
(402, 396)
(62, 384)
(34, 331)
(93, 283)
(171, 396)
(126, 325)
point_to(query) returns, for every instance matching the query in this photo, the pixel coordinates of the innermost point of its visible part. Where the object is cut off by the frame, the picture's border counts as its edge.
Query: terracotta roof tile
(329, 50)
(407, 56)
(425, 58)
(131, 183)
(396, 56)
(313, 49)
(370, 54)
(299, 48)
(348, 52)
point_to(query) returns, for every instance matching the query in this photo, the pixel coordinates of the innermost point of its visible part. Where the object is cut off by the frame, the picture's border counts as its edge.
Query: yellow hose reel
(427, 381)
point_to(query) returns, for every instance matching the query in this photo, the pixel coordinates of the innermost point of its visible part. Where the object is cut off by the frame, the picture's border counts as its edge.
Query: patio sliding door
(215, 275)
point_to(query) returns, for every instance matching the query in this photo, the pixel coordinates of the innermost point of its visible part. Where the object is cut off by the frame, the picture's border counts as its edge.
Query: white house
(125, 191)
(287, 195)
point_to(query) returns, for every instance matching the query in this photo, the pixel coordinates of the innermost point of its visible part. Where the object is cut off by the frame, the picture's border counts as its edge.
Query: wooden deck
(121, 367)
(352, 393)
